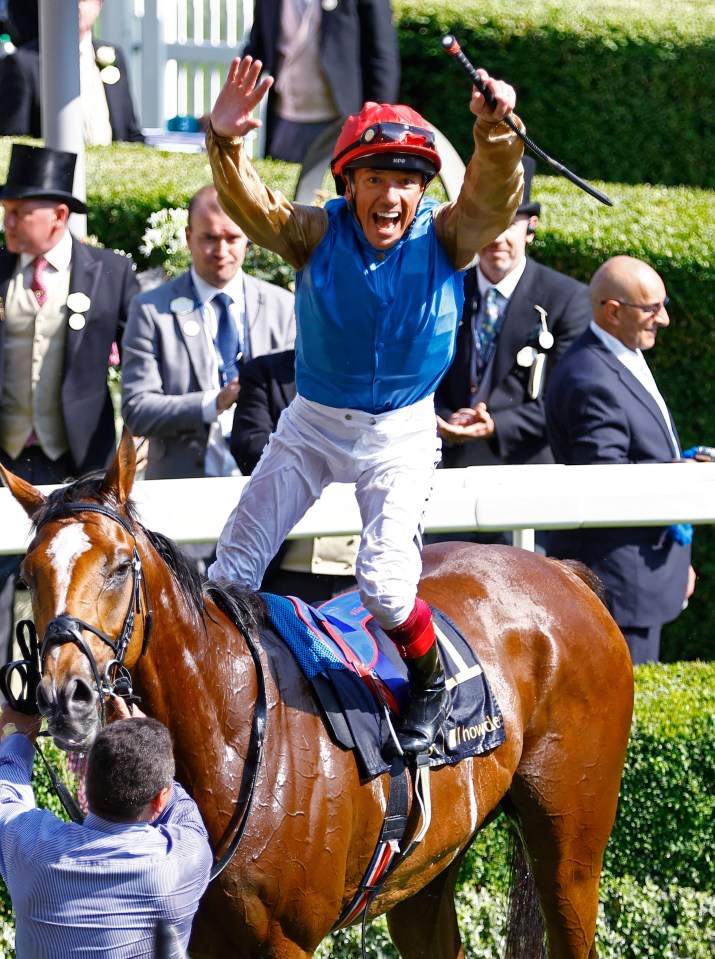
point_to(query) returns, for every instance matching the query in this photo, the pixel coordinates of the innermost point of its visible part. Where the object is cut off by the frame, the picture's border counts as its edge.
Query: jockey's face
(385, 203)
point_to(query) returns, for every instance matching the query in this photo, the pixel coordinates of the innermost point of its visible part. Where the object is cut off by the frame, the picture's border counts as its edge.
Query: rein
(117, 679)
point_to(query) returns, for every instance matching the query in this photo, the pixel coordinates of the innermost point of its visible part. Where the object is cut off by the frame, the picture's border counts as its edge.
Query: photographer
(141, 857)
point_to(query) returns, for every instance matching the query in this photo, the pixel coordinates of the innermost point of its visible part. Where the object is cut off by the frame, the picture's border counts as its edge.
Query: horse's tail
(525, 932)
(586, 574)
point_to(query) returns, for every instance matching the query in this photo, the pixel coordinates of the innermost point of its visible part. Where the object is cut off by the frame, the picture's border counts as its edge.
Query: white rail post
(59, 83)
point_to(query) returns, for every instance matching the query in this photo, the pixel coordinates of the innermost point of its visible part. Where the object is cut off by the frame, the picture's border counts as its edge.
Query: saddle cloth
(358, 679)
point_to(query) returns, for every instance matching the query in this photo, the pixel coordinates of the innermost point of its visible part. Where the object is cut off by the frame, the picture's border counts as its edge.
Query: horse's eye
(122, 571)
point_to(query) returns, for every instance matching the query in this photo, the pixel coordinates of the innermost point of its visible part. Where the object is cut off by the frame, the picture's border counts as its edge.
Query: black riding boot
(430, 702)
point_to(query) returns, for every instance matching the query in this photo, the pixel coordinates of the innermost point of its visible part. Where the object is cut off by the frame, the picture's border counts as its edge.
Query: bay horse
(555, 659)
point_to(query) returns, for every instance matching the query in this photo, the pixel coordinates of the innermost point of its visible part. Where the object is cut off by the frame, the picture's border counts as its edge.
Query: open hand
(239, 96)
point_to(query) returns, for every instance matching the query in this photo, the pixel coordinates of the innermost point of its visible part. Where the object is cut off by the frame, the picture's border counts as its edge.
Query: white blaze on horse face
(64, 550)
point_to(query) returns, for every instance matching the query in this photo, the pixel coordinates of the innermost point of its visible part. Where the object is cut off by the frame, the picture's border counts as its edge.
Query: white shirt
(58, 259)
(635, 363)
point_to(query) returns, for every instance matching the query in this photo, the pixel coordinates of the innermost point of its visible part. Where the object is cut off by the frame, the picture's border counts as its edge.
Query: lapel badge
(191, 328)
(77, 321)
(78, 303)
(525, 356)
(546, 337)
(182, 304)
(329, 5)
(109, 75)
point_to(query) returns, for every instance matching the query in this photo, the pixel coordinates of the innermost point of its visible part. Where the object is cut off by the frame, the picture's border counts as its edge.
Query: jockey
(378, 300)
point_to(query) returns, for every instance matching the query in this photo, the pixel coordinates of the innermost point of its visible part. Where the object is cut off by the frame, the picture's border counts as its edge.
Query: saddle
(361, 684)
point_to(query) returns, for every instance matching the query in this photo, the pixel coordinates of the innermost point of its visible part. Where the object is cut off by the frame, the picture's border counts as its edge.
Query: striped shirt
(96, 889)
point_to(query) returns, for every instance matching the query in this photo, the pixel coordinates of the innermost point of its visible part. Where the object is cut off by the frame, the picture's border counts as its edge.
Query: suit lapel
(258, 331)
(85, 274)
(636, 388)
(7, 268)
(519, 320)
(190, 325)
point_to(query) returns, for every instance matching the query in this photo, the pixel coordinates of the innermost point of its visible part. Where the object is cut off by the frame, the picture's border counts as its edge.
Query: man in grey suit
(178, 389)
(603, 406)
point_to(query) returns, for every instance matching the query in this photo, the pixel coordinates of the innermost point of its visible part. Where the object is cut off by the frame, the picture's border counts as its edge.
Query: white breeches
(391, 458)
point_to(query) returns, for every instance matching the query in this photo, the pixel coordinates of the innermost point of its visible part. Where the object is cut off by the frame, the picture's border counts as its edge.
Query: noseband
(68, 629)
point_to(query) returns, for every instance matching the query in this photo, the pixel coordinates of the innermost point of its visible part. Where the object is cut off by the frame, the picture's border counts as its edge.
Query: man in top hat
(107, 108)
(65, 305)
(519, 317)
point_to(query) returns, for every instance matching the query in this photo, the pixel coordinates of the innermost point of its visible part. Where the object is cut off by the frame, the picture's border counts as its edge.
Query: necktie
(485, 338)
(38, 286)
(228, 342)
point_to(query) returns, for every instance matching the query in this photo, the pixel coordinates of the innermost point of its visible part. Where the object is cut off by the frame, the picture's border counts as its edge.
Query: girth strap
(388, 853)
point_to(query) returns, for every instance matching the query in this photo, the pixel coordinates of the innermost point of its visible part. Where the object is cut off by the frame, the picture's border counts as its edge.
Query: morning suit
(108, 281)
(598, 412)
(167, 368)
(104, 283)
(519, 418)
(21, 95)
(358, 50)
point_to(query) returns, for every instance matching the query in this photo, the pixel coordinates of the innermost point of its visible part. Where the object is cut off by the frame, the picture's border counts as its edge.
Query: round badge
(525, 356)
(109, 75)
(182, 304)
(76, 321)
(328, 5)
(546, 340)
(191, 328)
(78, 302)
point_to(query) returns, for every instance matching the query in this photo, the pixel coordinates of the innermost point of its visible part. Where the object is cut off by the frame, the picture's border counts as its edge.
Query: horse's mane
(244, 608)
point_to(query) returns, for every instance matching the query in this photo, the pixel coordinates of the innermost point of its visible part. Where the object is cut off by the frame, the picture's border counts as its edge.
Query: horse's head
(89, 601)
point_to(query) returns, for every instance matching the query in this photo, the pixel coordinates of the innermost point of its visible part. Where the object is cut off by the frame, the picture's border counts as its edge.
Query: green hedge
(657, 895)
(617, 91)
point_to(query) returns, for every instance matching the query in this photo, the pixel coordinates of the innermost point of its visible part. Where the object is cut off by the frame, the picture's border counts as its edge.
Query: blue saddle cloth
(358, 677)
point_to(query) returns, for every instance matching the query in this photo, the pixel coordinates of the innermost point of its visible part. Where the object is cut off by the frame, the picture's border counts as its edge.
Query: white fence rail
(519, 498)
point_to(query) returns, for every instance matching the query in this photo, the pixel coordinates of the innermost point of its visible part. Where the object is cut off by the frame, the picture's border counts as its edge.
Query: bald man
(603, 406)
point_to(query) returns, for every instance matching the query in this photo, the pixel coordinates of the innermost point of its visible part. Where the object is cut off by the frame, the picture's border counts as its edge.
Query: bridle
(116, 679)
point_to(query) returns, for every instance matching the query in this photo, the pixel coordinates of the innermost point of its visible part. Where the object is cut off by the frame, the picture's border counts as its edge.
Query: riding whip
(450, 46)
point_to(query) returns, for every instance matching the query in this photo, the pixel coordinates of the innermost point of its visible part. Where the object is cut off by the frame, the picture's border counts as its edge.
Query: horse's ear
(120, 475)
(28, 497)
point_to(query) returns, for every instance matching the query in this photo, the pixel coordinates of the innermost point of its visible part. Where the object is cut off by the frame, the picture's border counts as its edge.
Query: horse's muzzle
(73, 708)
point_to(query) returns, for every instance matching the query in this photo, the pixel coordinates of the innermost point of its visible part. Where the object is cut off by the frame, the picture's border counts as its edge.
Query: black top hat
(39, 173)
(526, 207)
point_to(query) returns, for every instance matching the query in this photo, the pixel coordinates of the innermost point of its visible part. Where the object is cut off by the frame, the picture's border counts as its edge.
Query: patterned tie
(38, 286)
(228, 342)
(485, 338)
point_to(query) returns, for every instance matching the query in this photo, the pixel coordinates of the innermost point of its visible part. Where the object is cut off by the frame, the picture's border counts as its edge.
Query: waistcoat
(32, 375)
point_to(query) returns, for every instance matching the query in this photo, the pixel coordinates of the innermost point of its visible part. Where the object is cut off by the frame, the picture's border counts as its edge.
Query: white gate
(178, 51)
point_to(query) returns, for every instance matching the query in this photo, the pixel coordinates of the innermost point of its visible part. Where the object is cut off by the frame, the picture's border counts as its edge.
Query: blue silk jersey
(376, 330)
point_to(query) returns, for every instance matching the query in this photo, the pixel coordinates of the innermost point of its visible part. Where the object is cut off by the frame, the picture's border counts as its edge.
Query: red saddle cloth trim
(379, 689)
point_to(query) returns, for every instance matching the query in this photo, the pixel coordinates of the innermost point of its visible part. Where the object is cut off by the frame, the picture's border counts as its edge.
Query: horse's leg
(425, 926)
(565, 819)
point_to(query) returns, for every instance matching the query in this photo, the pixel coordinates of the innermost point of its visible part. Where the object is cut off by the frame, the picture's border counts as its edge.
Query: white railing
(519, 498)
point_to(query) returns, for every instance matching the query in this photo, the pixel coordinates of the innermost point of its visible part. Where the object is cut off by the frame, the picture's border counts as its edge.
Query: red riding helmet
(384, 136)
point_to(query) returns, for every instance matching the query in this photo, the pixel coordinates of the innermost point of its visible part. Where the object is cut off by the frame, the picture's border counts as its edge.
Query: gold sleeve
(292, 230)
